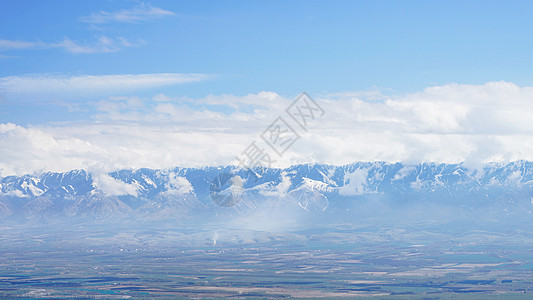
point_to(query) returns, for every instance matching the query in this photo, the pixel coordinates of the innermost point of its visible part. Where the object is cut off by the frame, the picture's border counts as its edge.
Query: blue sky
(61, 62)
(280, 46)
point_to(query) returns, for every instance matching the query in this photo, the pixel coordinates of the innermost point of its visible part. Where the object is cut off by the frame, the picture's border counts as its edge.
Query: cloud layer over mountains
(451, 123)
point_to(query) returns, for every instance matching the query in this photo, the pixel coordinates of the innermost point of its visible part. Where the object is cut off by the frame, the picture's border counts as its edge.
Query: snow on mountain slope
(182, 192)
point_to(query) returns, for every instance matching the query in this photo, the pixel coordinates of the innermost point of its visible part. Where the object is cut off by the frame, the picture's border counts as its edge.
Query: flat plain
(343, 261)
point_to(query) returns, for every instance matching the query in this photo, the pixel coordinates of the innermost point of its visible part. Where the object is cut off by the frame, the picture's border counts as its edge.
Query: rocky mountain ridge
(313, 188)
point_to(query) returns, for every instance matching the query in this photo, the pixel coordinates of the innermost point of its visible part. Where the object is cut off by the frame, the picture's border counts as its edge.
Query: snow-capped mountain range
(310, 188)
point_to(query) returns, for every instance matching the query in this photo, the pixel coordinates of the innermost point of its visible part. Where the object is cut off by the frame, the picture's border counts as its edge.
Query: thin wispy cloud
(6, 56)
(103, 44)
(18, 44)
(53, 84)
(139, 13)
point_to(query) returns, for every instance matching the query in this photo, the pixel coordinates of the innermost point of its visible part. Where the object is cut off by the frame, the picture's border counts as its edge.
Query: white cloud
(12, 45)
(178, 185)
(106, 147)
(103, 45)
(354, 183)
(50, 84)
(114, 187)
(6, 56)
(142, 12)
(451, 123)
(279, 190)
(15, 193)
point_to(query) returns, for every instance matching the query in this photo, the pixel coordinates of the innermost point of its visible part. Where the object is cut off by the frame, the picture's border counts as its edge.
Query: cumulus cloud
(52, 84)
(354, 183)
(451, 123)
(105, 147)
(114, 187)
(15, 193)
(178, 185)
(142, 12)
(279, 190)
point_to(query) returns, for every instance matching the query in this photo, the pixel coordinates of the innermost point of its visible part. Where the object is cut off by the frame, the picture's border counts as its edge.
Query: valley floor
(341, 261)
